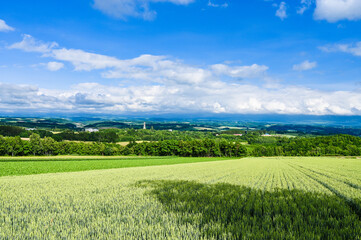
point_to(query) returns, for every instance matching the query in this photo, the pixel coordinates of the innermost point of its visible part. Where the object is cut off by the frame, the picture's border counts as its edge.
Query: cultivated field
(250, 198)
(34, 165)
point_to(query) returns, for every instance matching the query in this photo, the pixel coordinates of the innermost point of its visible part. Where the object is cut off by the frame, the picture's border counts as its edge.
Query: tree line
(112, 135)
(341, 145)
(37, 146)
(337, 145)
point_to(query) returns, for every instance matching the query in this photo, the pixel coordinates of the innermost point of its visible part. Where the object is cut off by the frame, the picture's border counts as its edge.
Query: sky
(181, 56)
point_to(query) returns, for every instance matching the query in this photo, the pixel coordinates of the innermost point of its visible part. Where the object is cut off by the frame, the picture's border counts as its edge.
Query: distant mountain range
(324, 120)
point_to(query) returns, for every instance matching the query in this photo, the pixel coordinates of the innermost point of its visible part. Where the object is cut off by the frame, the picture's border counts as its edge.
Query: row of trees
(344, 145)
(112, 135)
(193, 148)
(14, 146)
(127, 135)
(341, 145)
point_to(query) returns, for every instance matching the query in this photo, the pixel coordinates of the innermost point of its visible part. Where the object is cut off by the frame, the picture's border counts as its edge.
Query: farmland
(249, 198)
(35, 165)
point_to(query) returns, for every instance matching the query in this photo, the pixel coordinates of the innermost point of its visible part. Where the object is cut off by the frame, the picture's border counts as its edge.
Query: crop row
(252, 198)
(234, 212)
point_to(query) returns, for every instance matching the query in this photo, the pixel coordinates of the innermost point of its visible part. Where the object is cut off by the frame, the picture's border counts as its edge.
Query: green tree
(49, 145)
(36, 144)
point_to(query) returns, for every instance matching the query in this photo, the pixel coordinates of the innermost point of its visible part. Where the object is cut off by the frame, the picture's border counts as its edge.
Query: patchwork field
(250, 198)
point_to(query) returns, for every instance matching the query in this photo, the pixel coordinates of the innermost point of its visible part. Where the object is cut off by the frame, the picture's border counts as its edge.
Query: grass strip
(47, 165)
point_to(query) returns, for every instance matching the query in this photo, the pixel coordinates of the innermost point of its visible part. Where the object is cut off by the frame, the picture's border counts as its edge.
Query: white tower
(144, 126)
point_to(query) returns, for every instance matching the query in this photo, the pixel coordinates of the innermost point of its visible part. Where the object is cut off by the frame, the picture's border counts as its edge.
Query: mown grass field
(250, 198)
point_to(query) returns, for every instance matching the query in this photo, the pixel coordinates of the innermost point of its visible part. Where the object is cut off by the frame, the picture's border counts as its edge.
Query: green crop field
(36, 165)
(249, 198)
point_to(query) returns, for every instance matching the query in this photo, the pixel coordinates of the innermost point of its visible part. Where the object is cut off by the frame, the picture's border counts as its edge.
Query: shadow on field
(225, 211)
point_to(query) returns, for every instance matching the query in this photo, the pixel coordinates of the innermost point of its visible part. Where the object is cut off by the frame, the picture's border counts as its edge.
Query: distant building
(91, 130)
(238, 135)
(266, 135)
(170, 130)
(144, 126)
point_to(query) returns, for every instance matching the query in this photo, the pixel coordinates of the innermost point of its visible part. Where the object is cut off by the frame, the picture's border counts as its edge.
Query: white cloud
(282, 11)
(252, 71)
(165, 85)
(160, 69)
(211, 4)
(54, 66)
(26, 97)
(219, 97)
(305, 5)
(144, 67)
(354, 49)
(301, 10)
(335, 10)
(29, 44)
(85, 61)
(123, 9)
(4, 27)
(306, 65)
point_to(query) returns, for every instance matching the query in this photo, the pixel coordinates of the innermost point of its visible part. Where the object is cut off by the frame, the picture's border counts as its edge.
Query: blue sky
(175, 56)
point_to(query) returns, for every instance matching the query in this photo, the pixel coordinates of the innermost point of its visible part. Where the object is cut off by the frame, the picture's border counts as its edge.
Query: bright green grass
(249, 198)
(36, 165)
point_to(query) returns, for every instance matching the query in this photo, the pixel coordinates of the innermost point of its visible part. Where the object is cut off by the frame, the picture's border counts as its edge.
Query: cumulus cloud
(54, 66)
(306, 65)
(335, 10)
(166, 85)
(220, 97)
(163, 71)
(123, 9)
(30, 44)
(144, 67)
(282, 11)
(160, 69)
(4, 27)
(85, 61)
(353, 48)
(26, 97)
(252, 71)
